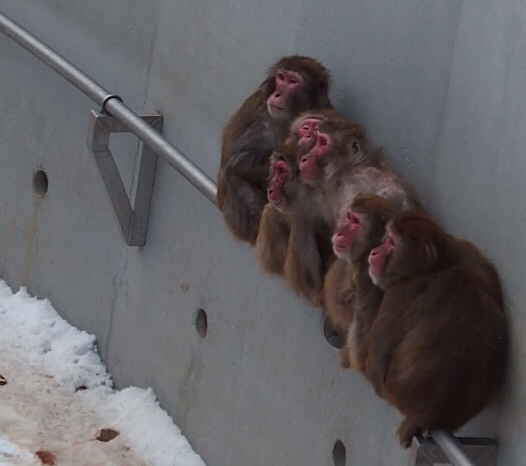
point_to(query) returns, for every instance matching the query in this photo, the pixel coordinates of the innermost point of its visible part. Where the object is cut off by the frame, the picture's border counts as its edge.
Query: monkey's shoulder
(250, 111)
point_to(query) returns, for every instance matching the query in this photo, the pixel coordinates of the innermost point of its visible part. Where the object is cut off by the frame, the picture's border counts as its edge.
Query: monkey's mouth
(339, 249)
(276, 111)
(276, 107)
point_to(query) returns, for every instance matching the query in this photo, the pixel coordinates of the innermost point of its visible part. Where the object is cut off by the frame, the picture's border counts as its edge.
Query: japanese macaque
(437, 348)
(304, 223)
(304, 129)
(338, 142)
(351, 298)
(342, 163)
(295, 228)
(294, 85)
(274, 228)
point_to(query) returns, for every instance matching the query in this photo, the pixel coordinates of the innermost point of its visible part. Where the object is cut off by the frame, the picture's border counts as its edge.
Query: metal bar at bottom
(451, 448)
(113, 106)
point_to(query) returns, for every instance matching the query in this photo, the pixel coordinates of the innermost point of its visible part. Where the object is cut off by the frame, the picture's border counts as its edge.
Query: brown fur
(308, 256)
(274, 228)
(339, 295)
(349, 276)
(351, 165)
(252, 134)
(438, 344)
(301, 230)
(272, 240)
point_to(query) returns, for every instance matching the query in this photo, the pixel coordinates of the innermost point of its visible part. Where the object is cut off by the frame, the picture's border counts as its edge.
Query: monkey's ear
(430, 251)
(354, 146)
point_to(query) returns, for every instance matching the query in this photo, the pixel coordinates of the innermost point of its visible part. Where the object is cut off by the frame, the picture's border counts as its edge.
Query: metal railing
(451, 448)
(112, 105)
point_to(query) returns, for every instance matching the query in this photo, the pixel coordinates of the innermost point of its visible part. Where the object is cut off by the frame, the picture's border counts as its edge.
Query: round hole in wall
(40, 183)
(334, 337)
(339, 454)
(201, 323)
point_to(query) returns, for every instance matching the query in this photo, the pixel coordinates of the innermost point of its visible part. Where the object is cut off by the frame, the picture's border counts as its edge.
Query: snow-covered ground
(58, 397)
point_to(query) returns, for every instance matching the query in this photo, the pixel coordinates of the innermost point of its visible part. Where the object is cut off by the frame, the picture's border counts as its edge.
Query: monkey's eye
(353, 218)
(323, 141)
(293, 81)
(281, 76)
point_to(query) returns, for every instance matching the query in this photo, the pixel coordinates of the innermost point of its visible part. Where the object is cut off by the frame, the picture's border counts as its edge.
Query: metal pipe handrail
(451, 448)
(113, 106)
(162, 147)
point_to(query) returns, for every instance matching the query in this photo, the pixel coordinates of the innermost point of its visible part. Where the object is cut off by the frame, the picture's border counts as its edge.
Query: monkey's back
(248, 140)
(451, 358)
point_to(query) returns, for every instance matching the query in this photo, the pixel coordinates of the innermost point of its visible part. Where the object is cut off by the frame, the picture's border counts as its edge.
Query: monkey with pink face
(437, 347)
(427, 324)
(296, 225)
(293, 85)
(293, 239)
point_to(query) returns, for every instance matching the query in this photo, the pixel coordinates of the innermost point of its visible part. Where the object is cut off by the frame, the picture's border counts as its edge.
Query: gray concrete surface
(440, 84)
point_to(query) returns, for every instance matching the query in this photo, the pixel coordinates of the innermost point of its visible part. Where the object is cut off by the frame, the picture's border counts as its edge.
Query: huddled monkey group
(422, 311)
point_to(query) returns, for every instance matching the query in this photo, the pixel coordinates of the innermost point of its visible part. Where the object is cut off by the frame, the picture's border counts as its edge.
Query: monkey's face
(344, 236)
(281, 103)
(308, 123)
(311, 163)
(296, 84)
(307, 132)
(407, 250)
(362, 227)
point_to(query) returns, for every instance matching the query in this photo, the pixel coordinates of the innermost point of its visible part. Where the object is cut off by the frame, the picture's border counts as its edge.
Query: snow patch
(42, 344)
(11, 454)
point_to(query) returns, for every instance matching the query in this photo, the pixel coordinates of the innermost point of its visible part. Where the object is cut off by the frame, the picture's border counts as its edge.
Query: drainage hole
(40, 183)
(201, 323)
(339, 454)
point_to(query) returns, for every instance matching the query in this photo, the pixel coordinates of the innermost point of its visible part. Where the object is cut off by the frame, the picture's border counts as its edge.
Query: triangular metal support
(133, 221)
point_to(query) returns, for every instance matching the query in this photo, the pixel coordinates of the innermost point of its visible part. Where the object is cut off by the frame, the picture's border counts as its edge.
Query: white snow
(59, 396)
(12, 454)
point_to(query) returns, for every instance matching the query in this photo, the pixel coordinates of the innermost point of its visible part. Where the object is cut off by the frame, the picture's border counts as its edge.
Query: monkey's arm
(248, 151)
(362, 322)
(303, 268)
(250, 164)
(383, 338)
(272, 240)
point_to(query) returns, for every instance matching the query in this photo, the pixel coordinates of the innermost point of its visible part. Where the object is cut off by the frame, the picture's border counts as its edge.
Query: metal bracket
(425, 452)
(133, 220)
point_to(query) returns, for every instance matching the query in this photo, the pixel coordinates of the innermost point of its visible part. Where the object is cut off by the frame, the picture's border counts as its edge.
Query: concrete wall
(440, 84)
